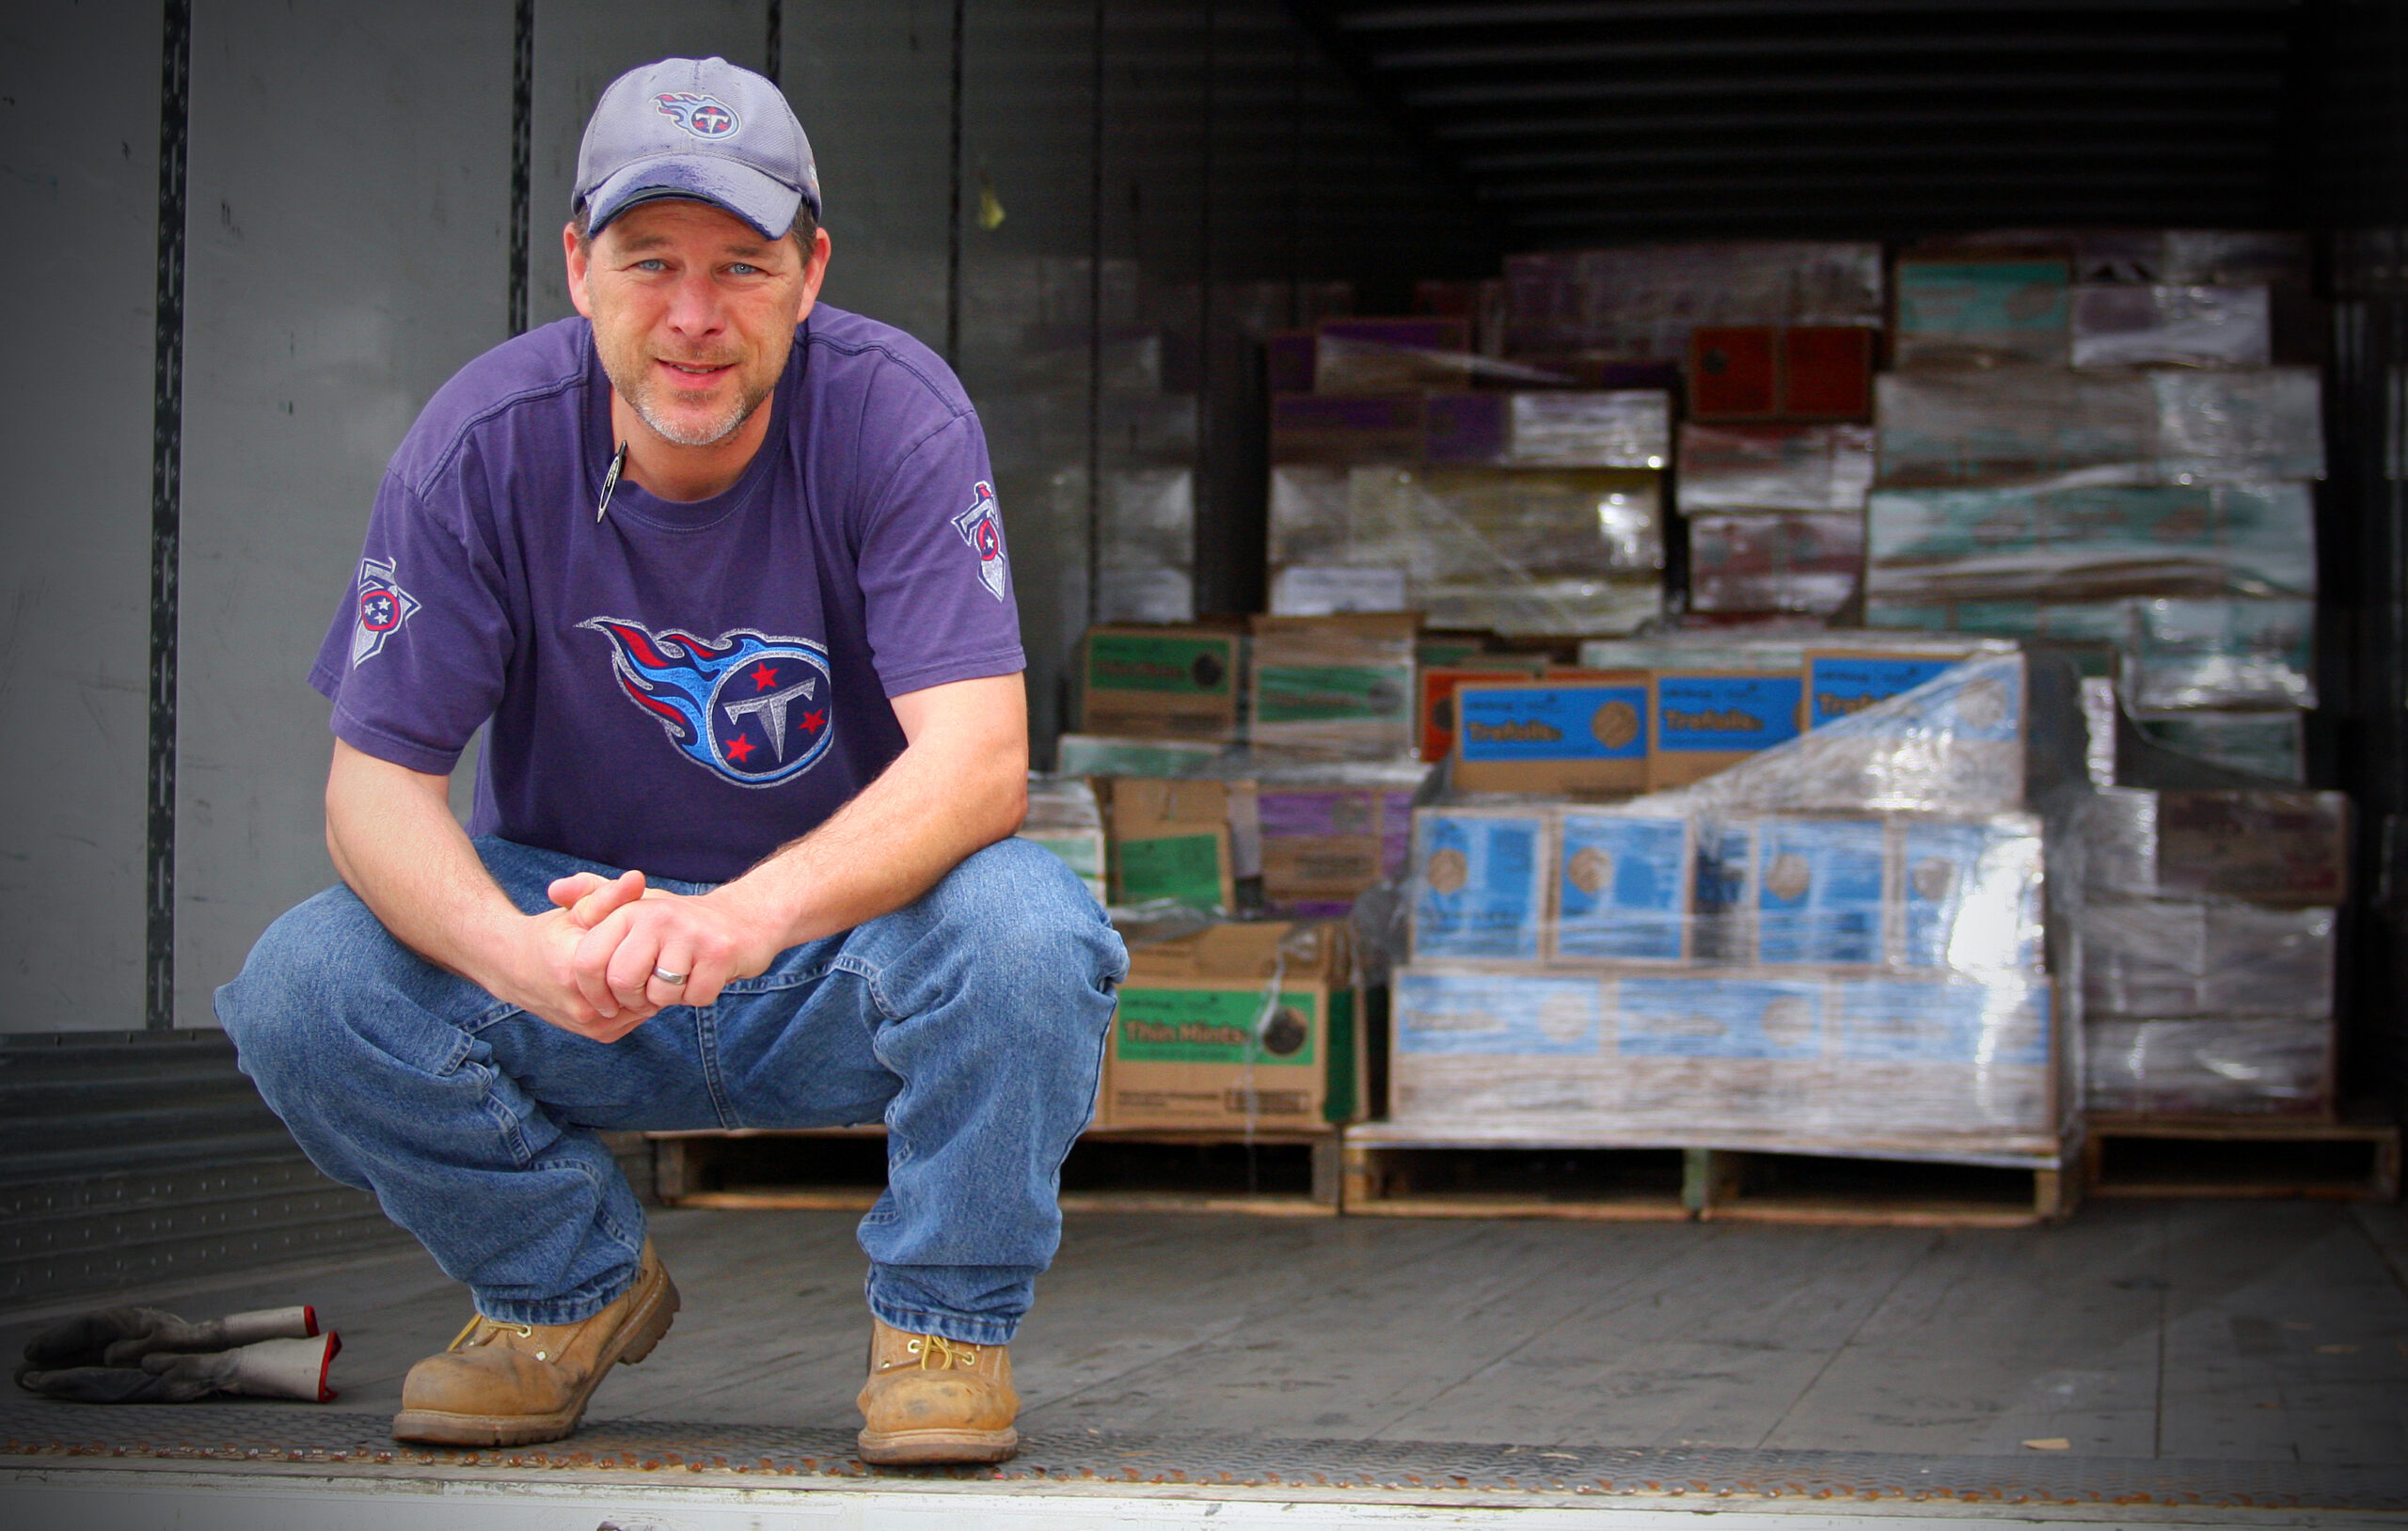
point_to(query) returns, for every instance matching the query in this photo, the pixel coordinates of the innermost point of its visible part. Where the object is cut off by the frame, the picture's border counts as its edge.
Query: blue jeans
(971, 1022)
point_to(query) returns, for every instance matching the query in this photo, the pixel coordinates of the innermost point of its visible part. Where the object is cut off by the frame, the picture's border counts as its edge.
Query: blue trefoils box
(1842, 684)
(1969, 892)
(1703, 722)
(1994, 1024)
(1719, 1018)
(1820, 887)
(1586, 734)
(1507, 1015)
(1478, 887)
(1622, 888)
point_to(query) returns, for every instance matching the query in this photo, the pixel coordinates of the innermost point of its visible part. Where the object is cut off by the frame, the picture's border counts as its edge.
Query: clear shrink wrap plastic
(1851, 940)
(1065, 818)
(2006, 424)
(1519, 550)
(2207, 951)
(2137, 325)
(1775, 468)
(1640, 302)
(2067, 543)
(2219, 1065)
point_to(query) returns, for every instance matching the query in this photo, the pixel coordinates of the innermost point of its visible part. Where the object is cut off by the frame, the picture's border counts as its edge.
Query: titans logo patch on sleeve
(384, 606)
(982, 528)
(751, 709)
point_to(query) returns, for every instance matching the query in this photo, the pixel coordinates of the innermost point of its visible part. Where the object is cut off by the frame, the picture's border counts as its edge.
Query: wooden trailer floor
(2229, 1353)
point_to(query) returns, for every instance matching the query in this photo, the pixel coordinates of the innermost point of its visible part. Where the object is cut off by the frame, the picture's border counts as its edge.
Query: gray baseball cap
(698, 130)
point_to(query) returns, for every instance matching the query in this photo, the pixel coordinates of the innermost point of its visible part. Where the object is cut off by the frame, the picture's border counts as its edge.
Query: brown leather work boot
(931, 1400)
(514, 1384)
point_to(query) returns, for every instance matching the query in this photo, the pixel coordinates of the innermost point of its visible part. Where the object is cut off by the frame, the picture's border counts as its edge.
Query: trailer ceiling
(1587, 122)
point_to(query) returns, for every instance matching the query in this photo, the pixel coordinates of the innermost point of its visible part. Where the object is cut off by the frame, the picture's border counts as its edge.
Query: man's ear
(814, 271)
(579, 254)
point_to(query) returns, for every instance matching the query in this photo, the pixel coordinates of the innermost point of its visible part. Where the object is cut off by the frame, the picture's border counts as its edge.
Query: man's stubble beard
(631, 375)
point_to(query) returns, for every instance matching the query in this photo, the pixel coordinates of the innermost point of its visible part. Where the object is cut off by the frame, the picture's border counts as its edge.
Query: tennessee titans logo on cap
(704, 117)
(384, 606)
(982, 528)
(753, 710)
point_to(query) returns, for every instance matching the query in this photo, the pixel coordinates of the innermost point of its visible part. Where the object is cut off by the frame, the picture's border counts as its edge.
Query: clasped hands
(599, 956)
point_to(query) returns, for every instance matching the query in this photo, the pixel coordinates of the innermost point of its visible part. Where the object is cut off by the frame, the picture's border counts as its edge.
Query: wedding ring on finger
(675, 980)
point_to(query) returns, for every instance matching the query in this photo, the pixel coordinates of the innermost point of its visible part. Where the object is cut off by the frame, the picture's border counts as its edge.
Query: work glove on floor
(142, 1355)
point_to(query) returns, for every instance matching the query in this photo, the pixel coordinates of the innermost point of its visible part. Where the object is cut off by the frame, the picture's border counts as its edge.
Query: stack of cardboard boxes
(1838, 942)
(1410, 473)
(2208, 950)
(2086, 438)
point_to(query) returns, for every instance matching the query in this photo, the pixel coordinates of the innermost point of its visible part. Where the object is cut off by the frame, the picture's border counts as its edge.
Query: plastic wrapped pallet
(2217, 1065)
(2270, 744)
(2238, 427)
(1797, 561)
(2164, 957)
(2278, 848)
(1774, 468)
(2130, 325)
(1390, 356)
(1063, 818)
(2009, 423)
(2089, 541)
(2184, 654)
(1628, 428)
(1726, 1056)
(1641, 301)
(1976, 310)
(1514, 550)
(1837, 944)
(1338, 686)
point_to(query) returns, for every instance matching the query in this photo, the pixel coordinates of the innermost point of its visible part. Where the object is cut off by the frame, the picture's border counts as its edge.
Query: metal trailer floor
(2178, 1362)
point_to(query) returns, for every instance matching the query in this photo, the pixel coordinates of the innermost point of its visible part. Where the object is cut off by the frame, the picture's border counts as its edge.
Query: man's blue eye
(654, 263)
(742, 270)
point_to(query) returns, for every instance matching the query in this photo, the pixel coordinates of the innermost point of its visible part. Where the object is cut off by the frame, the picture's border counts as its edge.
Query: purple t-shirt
(682, 688)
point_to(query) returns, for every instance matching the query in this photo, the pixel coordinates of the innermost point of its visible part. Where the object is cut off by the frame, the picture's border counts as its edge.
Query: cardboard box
(1781, 373)
(1558, 736)
(1969, 892)
(1734, 372)
(1248, 1025)
(1170, 839)
(1820, 890)
(1700, 722)
(1624, 888)
(1774, 468)
(1152, 682)
(1340, 684)
(2287, 849)
(1787, 561)
(1435, 718)
(1974, 312)
(1741, 1051)
(1620, 428)
(1826, 372)
(1842, 683)
(1479, 884)
(1324, 845)
(1342, 428)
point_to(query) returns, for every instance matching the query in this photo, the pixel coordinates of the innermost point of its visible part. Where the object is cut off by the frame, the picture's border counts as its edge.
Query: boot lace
(937, 1353)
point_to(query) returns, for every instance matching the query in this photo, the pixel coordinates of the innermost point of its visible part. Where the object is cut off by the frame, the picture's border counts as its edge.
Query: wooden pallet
(1392, 1170)
(2350, 1160)
(1274, 1173)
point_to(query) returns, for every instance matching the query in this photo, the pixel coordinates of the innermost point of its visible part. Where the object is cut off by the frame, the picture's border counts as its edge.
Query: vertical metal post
(953, 210)
(167, 518)
(522, 144)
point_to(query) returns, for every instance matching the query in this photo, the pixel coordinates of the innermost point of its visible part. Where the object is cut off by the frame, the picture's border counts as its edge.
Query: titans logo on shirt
(384, 606)
(752, 709)
(982, 528)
